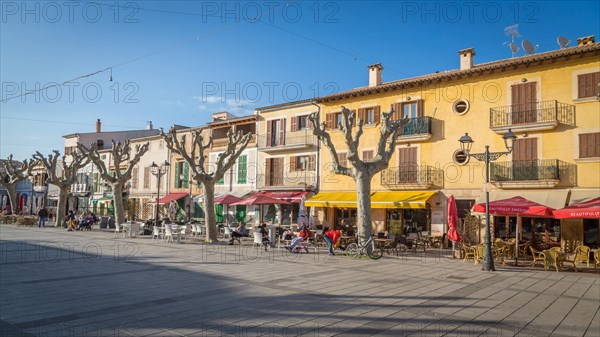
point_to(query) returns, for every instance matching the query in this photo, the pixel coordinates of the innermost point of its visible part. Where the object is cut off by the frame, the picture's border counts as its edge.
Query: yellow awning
(400, 199)
(332, 199)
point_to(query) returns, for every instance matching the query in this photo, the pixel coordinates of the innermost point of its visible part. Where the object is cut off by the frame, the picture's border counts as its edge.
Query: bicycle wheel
(352, 250)
(374, 251)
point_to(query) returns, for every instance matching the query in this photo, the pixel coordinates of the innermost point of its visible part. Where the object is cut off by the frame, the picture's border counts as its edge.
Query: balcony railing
(292, 139)
(533, 170)
(222, 142)
(423, 176)
(295, 179)
(416, 126)
(542, 112)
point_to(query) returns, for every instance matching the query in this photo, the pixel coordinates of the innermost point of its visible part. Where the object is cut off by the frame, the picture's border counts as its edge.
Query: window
(300, 123)
(276, 132)
(337, 120)
(589, 145)
(367, 156)
(343, 159)
(334, 120)
(179, 171)
(588, 85)
(134, 178)
(242, 169)
(146, 178)
(460, 157)
(369, 116)
(411, 109)
(302, 163)
(274, 172)
(460, 107)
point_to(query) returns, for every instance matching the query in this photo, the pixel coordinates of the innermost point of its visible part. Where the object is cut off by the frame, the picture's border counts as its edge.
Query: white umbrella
(302, 214)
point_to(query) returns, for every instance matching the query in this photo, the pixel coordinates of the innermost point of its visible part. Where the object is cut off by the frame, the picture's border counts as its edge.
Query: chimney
(149, 126)
(466, 58)
(584, 41)
(375, 74)
(98, 125)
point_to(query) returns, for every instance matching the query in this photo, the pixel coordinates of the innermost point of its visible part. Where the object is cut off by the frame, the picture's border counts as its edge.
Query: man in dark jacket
(43, 214)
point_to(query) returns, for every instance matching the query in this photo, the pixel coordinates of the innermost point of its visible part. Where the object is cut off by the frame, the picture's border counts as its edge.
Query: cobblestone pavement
(59, 283)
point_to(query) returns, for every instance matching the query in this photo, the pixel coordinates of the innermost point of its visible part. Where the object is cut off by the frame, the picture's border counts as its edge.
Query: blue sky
(178, 62)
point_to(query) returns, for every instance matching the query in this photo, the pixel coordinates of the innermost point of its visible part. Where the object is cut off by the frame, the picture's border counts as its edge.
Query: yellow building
(549, 100)
(287, 158)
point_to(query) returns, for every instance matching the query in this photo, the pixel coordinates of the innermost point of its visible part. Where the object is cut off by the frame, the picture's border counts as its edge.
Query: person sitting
(287, 235)
(239, 232)
(265, 235)
(332, 237)
(303, 235)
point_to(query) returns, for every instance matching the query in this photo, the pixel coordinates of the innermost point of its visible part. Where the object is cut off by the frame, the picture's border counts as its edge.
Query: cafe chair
(582, 254)
(155, 233)
(538, 257)
(479, 253)
(596, 259)
(168, 237)
(554, 258)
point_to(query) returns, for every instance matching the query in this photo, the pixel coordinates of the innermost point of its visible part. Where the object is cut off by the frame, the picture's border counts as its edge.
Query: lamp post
(33, 176)
(465, 144)
(158, 172)
(182, 177)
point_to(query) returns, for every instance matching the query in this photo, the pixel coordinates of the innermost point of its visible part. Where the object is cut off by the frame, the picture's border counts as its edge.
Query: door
(274, 172)
(408, 169)
(525, 163)
(524, 103)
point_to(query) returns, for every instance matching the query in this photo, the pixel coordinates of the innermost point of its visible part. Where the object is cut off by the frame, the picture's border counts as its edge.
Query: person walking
(42, 214)
(71, 221)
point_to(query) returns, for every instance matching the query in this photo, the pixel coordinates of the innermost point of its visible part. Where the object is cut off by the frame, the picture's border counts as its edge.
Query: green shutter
(185, 173)
(177, 185)
(242, 169)
(219, 213)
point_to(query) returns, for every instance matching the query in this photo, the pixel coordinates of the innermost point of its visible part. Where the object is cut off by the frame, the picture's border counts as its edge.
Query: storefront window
(591, 230)
(394, 222)
(270, 213)
(345, 219)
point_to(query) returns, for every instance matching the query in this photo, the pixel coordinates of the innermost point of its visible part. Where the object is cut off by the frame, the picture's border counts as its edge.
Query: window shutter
(269, 132)
(329, 121)
(177, 181)
(397, 111)
(242, 171)
(309, 124)
(293, 163)
(185, 174)
(361, 114)
(268, 172)
(420, 108)
(294, 126)
(311, 162)
(355, 117)
(278, 171)
(282, 132)
(377, 114)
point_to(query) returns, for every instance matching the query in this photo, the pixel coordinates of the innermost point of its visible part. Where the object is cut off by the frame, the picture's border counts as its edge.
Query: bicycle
(369, 247)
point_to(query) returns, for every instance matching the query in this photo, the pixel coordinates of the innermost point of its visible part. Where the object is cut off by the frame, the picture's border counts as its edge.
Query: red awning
(169, 197)
(584, 210)
(516, 206)
(293, 197)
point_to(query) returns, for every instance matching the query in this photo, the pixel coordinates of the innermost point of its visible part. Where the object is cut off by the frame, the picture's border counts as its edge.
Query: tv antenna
(563, 42)
(513, 32)
(528, 47)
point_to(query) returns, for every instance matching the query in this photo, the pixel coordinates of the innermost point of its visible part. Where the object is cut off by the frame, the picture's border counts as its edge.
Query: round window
(460, 157)
(461, 106)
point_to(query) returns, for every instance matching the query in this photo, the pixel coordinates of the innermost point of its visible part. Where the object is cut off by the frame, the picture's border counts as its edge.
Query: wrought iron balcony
(534, 173)
(292, 180)
(412, 176)
(222, 142)
(416, 129)
(542, 115)
(292, 140)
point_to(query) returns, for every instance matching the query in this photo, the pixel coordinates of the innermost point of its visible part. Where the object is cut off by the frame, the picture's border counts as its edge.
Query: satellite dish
(563, 42)
(512, 31)
(514, 48)
(528, 47)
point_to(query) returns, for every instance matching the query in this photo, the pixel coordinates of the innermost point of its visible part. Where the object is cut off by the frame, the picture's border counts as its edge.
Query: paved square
(59, 283)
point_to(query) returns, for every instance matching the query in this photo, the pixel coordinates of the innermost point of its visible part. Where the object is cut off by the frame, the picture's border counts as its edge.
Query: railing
(416, 126)
(292, 179)
(423, 175)
(524, 170)
(532, 113)
(298, 138)
(222, 142)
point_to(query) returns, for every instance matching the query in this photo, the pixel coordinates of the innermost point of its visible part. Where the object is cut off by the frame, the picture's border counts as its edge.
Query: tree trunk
(209, 213)
(11, 189)
(363, 205)
(118, 202)
(61, 208)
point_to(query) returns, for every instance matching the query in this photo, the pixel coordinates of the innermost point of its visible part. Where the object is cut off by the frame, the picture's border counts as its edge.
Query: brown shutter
(311, 162)
(278, 171)
(589, 145)
(282, 131)
(355, 115)
(361, 114)
(269, 132)
(377, 114)
(294, 126)
(420, 108)
(293, 163)
(525, 149)
(329, 121)
(268, 172)
(397, 111)
(407, 168)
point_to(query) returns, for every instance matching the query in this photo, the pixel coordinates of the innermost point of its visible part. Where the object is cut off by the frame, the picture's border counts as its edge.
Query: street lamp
(33, 177)
(158, 172)
(182, 177)
(465, 144)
